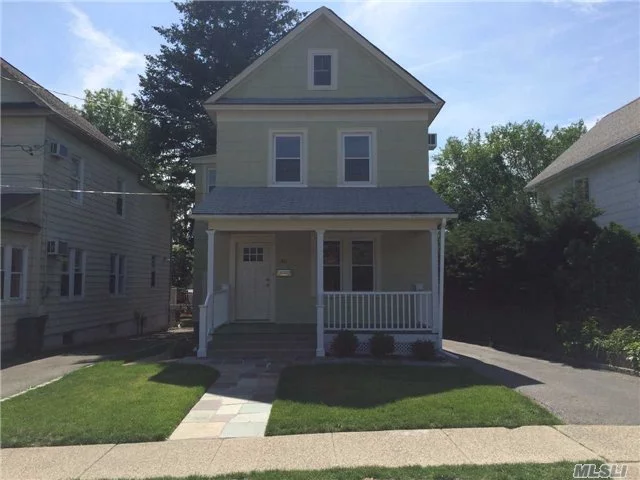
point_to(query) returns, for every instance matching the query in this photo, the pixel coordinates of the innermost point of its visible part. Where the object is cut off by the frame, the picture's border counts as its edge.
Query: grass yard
(106, 403)
(346, 398)
(524, 471)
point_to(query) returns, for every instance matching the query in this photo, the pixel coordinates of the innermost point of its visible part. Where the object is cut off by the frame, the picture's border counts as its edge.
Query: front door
(253, 281)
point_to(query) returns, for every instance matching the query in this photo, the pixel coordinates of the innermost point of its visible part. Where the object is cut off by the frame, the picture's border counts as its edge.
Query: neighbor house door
(253, 281)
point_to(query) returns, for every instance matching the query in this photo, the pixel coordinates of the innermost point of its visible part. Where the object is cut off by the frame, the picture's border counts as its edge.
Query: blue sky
(492, 62)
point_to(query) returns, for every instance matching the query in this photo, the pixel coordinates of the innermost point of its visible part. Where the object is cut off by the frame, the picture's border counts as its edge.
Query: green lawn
(106, 403)
(524, 471)
(343, 398)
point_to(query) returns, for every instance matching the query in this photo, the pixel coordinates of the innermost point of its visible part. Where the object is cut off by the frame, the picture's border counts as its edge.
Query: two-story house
(85, 244)
(316, 208)
(604, 166)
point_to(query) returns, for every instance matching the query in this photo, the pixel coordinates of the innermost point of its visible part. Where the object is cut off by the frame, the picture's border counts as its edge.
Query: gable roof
(324, 12)
(613, 131)
(64, 112)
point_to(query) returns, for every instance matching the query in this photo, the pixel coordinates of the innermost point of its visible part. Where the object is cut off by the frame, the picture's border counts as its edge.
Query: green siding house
(316, 207)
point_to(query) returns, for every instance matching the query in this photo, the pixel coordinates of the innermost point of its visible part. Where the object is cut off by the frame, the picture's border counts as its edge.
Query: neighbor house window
(581, 186)
(332, 270)
(153, 270)
(357, 159)
(211, 179)
(72, 273)
(322, 69)
(117, 274)
(76, 179)
(14, 272)
(120, 198)
(362, 270)
(288, 162)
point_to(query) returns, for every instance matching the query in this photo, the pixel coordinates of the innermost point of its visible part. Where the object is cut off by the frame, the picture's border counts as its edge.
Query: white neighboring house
(605, 164)
(85, 261)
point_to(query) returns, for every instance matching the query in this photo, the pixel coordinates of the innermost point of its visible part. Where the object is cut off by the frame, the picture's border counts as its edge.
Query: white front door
(253, 281)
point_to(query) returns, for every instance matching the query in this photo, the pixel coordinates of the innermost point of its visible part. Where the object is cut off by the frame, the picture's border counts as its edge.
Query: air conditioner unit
(57, 247)
(432, 140)
(58, 150)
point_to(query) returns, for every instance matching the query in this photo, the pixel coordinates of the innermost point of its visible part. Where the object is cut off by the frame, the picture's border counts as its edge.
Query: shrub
(620, 345)
(423, 350)
(344, 344)
(382, 345)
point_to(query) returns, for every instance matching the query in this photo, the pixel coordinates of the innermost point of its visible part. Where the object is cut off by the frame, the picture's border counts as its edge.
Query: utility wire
(101, 192)
(84, 99)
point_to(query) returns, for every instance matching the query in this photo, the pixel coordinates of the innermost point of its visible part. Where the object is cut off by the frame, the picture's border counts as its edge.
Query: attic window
(323, 69)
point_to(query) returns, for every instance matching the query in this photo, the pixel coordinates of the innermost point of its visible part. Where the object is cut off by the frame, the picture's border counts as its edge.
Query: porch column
(206, 309)
(443, 227)
(434, 279)
(319, 293)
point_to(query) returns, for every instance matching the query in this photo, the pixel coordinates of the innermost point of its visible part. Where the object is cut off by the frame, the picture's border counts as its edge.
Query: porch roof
(420, 200)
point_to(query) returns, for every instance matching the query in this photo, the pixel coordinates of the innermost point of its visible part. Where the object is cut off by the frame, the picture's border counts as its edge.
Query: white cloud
(101, 60)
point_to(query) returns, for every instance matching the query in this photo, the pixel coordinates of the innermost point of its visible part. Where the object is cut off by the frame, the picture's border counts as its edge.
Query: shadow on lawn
(184, 375)
(362, 386)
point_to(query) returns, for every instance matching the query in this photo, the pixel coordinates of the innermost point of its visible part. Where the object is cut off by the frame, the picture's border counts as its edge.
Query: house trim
(348, 30)
(234, 241)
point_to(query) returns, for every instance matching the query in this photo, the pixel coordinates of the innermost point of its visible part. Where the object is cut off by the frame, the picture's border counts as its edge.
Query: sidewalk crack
(578, 442)
(457, 446)
(97, 460)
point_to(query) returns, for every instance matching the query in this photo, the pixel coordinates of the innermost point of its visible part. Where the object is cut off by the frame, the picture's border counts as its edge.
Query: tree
(484, 176)
(212, 43)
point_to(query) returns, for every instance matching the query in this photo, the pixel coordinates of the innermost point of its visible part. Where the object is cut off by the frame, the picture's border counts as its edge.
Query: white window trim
(302, 132)
(123, 188)
(373, 163)
(334, 68)
(72, 264)
(80, 180)
(346, 263)
(116, 292)
(7, 272)
(207, 178)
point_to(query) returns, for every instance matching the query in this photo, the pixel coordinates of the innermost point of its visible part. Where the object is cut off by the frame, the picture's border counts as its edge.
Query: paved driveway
(576, 395)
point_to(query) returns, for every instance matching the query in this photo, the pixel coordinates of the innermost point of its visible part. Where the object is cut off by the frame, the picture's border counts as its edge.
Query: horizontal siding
(614, 186)
(20, 168)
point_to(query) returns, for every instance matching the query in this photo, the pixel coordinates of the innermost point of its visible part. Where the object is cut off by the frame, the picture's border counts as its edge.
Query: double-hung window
(349, 264)
(288, 158)
(153, 270)
(332, 271)
(72, 274)
(211, 179)
(120, 198)
(117, 274)
(14, 272)
(581, 187)
(76, 178)
(357, 158)
(323, 71)
(362, 266)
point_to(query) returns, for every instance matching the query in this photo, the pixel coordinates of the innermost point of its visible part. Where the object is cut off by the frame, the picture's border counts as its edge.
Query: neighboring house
(604, 165)
(316, 207)
(86, 260)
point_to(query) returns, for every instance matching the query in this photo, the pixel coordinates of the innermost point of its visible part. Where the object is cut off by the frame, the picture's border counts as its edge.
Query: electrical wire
(100, 192)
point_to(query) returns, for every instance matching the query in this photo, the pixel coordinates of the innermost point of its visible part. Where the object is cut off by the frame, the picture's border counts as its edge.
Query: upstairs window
(120, 198)
(76, 179)
(581, 186)
(117, 274)
(288, 162)
(211, 179)
(357, 158)
(322, 69)
(14, 272)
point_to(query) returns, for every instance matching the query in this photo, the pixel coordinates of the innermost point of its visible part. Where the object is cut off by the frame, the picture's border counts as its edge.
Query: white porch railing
(378, 311)
(220, 309)
(203, 325)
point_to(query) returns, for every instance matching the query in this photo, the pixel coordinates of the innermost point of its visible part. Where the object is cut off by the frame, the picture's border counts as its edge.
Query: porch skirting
(403, 341)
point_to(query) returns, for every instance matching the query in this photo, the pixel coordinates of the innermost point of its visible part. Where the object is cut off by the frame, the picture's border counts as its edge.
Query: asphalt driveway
(576, 395)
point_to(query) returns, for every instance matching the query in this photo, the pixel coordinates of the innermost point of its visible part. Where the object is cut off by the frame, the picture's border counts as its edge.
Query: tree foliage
(483, 176)
(210, 44)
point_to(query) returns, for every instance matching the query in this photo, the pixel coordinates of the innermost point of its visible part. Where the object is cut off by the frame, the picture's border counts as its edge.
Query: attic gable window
(323, 69)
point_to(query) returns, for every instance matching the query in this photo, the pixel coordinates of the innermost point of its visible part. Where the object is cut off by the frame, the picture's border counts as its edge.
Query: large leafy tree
(483, 176)
(212, 43)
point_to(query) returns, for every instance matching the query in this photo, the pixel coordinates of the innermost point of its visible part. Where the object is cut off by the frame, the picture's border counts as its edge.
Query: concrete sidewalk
(179, 458)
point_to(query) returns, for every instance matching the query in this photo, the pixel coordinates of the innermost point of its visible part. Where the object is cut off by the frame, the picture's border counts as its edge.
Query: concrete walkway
(179, 458)
(576, 395)
(237, 405)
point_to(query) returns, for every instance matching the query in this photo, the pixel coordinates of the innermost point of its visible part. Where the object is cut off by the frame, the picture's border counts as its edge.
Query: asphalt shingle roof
(322, 201)
(616, 128)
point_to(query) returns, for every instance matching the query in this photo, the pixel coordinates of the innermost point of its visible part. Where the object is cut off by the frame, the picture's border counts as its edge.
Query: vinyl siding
(360, 74)
(19, 168)
(614, 186)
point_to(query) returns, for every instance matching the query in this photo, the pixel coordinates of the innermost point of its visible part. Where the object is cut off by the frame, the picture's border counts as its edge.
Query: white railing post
(319, 293)
(439, 323)
(433, 313)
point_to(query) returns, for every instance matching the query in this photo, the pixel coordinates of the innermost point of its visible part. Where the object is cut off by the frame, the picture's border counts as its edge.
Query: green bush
(382, 345)
(423, 350)
(620, 346)
(344, 344)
